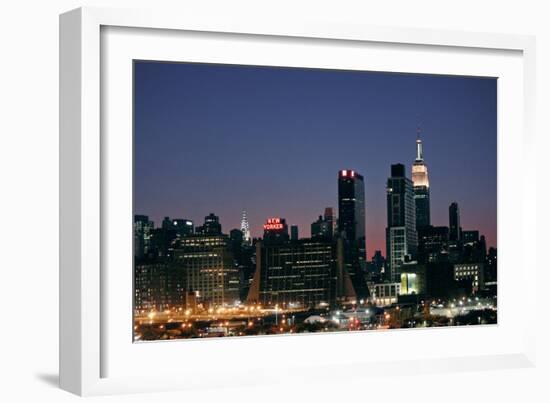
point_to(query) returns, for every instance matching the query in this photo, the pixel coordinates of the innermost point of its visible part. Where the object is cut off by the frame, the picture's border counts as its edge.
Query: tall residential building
(245, 228)
(454, 222)
(351, 226)
(421, 186)
(401, 235)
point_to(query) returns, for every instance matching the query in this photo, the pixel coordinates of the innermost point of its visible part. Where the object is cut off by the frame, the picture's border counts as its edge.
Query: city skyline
(294, 189)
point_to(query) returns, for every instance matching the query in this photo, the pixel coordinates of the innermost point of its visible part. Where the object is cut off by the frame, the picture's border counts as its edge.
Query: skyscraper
(245, 228)
(401, 236)
(351, 205)
(454, 222)
(421, 186)
(351, 226)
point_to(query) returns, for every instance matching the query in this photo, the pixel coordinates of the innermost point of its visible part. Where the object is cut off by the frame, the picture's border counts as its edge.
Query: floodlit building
(421, 185)
(384, 294)
(413, 279)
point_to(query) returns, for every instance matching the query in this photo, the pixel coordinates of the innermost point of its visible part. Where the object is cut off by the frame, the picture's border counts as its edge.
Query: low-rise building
(384, 294)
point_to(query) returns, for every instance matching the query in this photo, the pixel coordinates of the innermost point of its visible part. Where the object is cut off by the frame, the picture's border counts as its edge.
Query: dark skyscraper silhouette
(401, 236)
(294, 233)
(331, 219)
(211, 226)
(351, 226)
(454, 222)
(321, 229)
(421, 187)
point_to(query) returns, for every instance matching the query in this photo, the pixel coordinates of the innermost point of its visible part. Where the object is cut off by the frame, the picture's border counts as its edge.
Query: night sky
(222, 138)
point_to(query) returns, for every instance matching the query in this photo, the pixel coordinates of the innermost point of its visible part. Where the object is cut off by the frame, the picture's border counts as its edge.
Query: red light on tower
(347, 173)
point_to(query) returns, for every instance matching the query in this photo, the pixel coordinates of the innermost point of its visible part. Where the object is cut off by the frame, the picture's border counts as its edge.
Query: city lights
(198, 282)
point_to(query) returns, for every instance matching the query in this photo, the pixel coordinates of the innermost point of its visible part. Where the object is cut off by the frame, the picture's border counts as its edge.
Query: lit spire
(245, 228)
(419, 156)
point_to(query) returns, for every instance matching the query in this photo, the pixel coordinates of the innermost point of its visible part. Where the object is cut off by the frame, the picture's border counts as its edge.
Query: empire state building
(421, 186)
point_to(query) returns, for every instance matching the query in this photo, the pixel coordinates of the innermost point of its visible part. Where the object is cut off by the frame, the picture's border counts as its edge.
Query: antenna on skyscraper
(419, 156)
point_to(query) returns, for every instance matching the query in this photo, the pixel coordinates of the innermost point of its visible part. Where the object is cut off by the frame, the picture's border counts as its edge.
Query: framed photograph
(244, 201)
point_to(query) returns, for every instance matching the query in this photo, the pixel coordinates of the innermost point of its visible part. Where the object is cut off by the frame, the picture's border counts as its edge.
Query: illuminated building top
(419, 168)
(245, 228)
(349, 173)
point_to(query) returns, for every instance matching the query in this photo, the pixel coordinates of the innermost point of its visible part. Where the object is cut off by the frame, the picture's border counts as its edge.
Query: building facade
(384, 294)
(206, 265)
(433, 244)
(153, 287)
(307, 273)
(401, 235)
(143, 229)
(472, 273)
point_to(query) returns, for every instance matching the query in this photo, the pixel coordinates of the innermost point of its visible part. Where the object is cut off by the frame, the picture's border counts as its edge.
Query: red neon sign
(273, 224)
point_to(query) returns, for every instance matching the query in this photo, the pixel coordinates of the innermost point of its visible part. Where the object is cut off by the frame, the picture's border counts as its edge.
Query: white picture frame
(87, 342)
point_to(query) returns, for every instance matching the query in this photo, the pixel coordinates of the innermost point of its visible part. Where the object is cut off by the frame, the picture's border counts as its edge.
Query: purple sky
(222, 138)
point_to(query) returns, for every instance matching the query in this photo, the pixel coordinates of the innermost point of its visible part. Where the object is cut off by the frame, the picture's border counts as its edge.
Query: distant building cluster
(199, 268)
